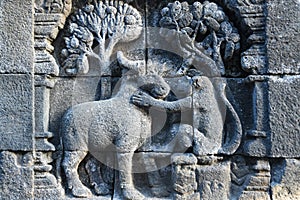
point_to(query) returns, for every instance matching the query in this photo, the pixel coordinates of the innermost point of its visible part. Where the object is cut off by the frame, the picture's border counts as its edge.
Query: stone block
(214, 180)
(286, 180)
(284, 117)
(256, 116)
(276, 118)
(16, 112)
(16, 176)
(283, 36)
(16, 36)
(184, 159)
(184, 177)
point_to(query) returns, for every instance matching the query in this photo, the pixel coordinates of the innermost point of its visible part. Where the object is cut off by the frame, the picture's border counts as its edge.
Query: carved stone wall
(112, 99)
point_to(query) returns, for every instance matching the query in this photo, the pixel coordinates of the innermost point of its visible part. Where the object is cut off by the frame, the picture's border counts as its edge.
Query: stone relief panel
(152, 100)
(189, 118)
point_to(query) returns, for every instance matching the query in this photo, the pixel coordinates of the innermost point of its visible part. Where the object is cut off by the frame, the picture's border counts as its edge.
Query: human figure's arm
(145, 100)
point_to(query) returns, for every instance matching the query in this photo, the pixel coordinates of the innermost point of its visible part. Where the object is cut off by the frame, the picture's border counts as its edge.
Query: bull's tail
(58, 157)
(234, 140)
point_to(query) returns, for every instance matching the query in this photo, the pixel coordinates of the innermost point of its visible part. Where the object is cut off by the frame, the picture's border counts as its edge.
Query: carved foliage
(102, 22)
(206, 25)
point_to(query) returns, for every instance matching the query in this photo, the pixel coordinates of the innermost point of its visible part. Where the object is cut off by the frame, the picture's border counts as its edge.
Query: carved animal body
(94, 126)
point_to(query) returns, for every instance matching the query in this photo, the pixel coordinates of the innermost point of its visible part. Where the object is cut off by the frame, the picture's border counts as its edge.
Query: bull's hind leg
(70, 165)
(95, 176)
(126, 179)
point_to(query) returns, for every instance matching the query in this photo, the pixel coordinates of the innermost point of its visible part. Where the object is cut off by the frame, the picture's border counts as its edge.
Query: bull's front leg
(126, 178)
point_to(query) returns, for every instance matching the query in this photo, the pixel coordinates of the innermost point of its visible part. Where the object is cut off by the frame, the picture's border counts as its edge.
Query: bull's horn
(129, 64)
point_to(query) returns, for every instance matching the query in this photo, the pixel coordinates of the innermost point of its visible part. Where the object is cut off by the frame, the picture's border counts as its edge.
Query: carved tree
(201, 29)
(104, 23)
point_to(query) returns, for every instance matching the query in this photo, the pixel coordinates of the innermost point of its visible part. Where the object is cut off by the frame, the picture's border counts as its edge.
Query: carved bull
(95, 126)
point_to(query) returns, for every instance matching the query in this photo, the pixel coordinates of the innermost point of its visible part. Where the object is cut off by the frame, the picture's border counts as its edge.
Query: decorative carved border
(252, 14)
(49, 18)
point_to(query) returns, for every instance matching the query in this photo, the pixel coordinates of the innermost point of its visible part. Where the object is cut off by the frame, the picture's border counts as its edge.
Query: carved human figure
(96, 126)
(203, 116)
(208, 140)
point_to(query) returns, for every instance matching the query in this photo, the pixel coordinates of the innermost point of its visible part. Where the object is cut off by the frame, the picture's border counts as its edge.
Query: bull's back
(74, 128)
(101, 123)
(116, 116)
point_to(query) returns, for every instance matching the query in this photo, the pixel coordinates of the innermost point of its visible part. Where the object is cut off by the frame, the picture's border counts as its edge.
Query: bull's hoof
(102, 189)
(132, 194)
(81, 192)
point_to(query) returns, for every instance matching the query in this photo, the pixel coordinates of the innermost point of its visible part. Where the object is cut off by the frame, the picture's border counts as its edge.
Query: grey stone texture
(214, 179)
(16, 36)
(285, 179)
(284, 116)
(16, 112)
(16, 175)
(275, 131)
(151, 99)
(283, 37)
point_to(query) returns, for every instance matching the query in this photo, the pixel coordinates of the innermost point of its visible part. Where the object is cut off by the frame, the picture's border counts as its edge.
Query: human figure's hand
(142, 99)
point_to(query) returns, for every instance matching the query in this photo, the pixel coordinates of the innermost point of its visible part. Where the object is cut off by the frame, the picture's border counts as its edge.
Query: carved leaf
(206, 25)
(99, 20)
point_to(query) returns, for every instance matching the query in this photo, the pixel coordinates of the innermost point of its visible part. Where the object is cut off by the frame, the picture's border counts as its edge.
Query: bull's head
(154, 84)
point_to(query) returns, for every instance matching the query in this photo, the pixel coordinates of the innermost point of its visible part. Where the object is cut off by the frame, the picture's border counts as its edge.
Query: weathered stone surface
(283, 37)
(284, 95)
(214, 180)
(275, 117)
(257, 138)
(97, 127)
(69, 92)
(149, 99)
(286, 180)
(184, 176)
(255, 185)
(16, 112)
(258, 180)
(242, 98)
(16, 175)
(16, 36)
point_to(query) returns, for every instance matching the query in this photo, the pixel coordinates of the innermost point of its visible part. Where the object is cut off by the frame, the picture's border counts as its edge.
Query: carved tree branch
(99, 21)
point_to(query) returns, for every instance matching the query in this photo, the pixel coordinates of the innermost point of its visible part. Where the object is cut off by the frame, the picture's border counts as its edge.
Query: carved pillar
(253, 19)
(49, 17)
(259, 182)
(250, 178)
(46, 28)
(45, 183)
(257, 137)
